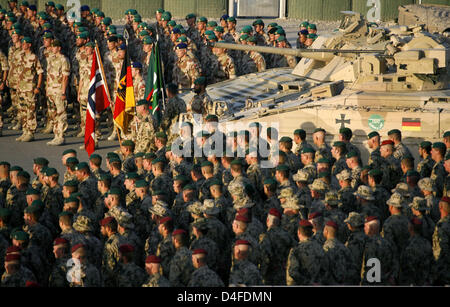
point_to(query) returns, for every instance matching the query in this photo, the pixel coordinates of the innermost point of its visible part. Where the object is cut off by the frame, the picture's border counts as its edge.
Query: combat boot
(48, 129)
(57, 142)
(19, 139)
(17, 127)
(29, 137)
(113, 136)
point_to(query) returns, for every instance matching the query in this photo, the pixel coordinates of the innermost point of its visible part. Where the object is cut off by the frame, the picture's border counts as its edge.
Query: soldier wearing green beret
(284, 60)
(345, 135)
(127, 150)
(226, 68)
(400, 150)
(300, 141)
(307, 158)
(5, 181)
(292, 160)
(425, 166)
(161, 182)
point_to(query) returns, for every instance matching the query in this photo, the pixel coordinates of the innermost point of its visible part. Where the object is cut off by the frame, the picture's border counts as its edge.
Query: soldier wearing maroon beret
(274, 246)
(243, 271)
(154, 273)
(316, 219)
(203, 276)
(84, 274)
(307, 264)
(58, 273)
(441, 248)
(390, 165)
(180, 267)
(128, 273)
(15, 275)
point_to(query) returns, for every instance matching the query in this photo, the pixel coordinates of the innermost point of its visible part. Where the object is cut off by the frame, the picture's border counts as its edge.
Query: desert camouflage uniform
(205, 277)
(274, 245)
(356, 177)
(255, 62)
(16, 201)
(441, 251)
(57, 68)
(15, 68)
(157, 280)
(139, 87)
(243, 272)
(226, 69)
(3, 67)
(85, 66)
(416, 262)
(324, 151)
(31, 68)
(145, 134)
(185, 72)
(307, 264)
(181, 268)
(130, 275)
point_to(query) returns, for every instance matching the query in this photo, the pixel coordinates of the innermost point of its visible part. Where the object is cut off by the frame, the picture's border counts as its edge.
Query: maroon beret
(165, 219)
(387, 142)
(32, 284)
(445, 199)
(241, 218)
(13, 249)
(199, 251)
(314, 215)
(106, 221)
(416, 221)
(243, 211)
(371, 218)
(152, 259)
(60, 241)
(332, 224)
(178, 232)
(76, 247)
(275, 212)
(305, 223)
(242, 242)
(12, 257)
(126, 248)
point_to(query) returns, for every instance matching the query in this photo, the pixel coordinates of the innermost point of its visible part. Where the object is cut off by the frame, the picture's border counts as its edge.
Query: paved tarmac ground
(18, 153)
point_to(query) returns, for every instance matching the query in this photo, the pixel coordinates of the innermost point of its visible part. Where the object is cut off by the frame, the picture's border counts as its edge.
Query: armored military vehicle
(363, 77)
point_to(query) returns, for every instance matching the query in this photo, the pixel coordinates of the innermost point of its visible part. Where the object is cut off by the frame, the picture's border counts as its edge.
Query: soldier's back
(205, 277)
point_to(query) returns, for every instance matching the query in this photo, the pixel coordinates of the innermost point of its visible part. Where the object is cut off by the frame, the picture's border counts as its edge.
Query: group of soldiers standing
(230, 214)
(46, 60)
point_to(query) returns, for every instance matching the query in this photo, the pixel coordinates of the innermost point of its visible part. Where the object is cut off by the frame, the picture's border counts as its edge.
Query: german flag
(125, 101)
(411, 124)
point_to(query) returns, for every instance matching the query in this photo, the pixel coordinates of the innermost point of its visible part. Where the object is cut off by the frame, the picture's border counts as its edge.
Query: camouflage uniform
(15, 68)
(3, 68)
(181, 268)
(441, 251)
(85, 67)
(401, 151)
(156, 280)
(255, 63)
(356, 244)
(226, 69)
(438, 175)
(307, 264)
(31, 68)
(290, 224)
(130, 275)
(274, 245)
(395, 229)
(200, 103)
(58, 275)
(205, 277)
(243, 272)
(384, 251)
(324, 151)
(111, 259)
(139, 87)
(145, 134)
(425, 167)
(19, 279)
(416, 262)
(347, 199)
(90, 277)
(165, 251)
(340, 261)
(173, 108)
(185, 72)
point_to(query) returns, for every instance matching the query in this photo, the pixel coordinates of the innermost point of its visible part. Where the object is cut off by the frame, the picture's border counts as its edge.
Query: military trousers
(27, 111)
(57, 112)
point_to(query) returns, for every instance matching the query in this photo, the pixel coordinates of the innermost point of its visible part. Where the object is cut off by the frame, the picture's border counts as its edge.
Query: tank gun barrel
(323, 55)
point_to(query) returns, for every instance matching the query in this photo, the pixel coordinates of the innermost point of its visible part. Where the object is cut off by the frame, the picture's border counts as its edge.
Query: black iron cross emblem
(343, 121)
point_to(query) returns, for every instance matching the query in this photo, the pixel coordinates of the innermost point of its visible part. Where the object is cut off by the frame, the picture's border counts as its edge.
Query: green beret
(247, 29)
(72, 160)
(270, 181)
(114, 159)
(323, 160)
(258, 22)
(159, 192)
(71, 183)
(346, 132)
(69, 151)
(16, 168)
(182, 39)
(207, 164)
(131, 175)
(114, 191)
(128, 143)
(24, 174)
(27, 40)
(142, 102)
(158, 160)
(32, 209)
(312, 26)
(211, 24)
(375, 172)
(5, 212)
(219, 29)
(308, 150)
(426, 145)
(440, 145)
(273, 25)
(41, 161)
(90, 44)
(189, 16)
(137, 18)
(110, 155)
(82, 165)
(394, 131)
(95, 156)
(312, 36)
(323, 174)
(285, 139)
(49, 35)
(299, 132)
(447, 134)
(282, 38)
(141, 184)
(304, 24)
(51, 172)
(351, 154)
(82, 35)
(373, 134)
(20, 236)
(200, 80)
(147, 40)
(319, 130)
(166, 16)
(202, 19)
(215, 182)
(139, 155)
(212, 118)
(161, 135)
(412, 173)
(244, 37)
(104, 177)
(236, 162)
(5, 163)
(282, 167)
(188, 187)
(71, 199)
(339, 144)
(67, 213)
(150, 155)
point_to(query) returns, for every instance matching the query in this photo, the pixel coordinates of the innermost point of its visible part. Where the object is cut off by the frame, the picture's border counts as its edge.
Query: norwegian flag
(98, 100)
